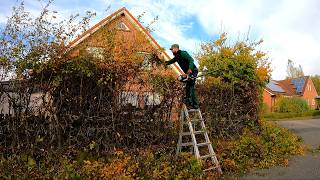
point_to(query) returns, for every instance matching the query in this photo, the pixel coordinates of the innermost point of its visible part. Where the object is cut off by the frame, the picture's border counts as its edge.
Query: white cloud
(170, 26)
(292, 33)
(290, 29)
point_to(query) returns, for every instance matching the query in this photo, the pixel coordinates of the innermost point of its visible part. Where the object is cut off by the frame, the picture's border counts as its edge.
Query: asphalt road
(300, 167)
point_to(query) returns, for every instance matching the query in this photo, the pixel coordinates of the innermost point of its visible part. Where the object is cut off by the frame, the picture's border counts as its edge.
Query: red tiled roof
(289, 88)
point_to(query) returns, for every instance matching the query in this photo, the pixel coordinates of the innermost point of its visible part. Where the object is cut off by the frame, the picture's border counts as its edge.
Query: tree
(235, 75)
(316, 82)
(293, 71)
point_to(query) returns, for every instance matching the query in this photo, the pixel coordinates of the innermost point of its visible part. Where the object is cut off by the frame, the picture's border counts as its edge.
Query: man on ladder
(192, 117)
(187, 65)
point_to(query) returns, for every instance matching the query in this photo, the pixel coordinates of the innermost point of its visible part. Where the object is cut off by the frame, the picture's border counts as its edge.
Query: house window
(147, 60)
(313, 102)
(96, 52)
(129, 97)
(122, 26)
(151, 98)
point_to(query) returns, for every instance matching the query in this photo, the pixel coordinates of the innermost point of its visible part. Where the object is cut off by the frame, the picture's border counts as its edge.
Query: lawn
(311, 114)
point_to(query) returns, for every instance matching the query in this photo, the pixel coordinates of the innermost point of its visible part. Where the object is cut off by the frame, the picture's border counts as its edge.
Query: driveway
(300, 167)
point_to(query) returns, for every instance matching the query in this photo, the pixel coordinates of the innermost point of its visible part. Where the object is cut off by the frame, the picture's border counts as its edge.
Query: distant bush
(318, 103)
(294, 104)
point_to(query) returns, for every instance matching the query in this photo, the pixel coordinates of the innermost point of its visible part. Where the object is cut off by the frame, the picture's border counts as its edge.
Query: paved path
(300, 167)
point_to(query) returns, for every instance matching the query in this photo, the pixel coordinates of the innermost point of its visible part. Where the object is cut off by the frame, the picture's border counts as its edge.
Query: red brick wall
(268, 100)
(310, 93)
(132, 39)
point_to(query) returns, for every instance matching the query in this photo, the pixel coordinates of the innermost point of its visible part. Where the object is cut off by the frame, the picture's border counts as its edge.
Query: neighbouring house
(298, 87)
(125, 28)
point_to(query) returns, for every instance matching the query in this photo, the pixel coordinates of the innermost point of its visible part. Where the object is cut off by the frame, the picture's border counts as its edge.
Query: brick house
(127, 27)
(130, 34)
(298, 87)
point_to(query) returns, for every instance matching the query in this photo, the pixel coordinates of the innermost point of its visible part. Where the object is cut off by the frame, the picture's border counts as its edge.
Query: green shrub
(318, 103)
(294, 104)
(230, 93)
(272, 146)
(265, 108)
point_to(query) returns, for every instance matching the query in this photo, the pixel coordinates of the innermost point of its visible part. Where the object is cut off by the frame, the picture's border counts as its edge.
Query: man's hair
(174, 46)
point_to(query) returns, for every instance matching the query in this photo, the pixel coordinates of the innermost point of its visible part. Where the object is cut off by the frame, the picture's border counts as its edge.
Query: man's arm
(173, 60)
(186, 55)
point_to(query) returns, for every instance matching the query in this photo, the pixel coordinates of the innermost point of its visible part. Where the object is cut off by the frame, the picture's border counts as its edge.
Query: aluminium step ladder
(195, 128)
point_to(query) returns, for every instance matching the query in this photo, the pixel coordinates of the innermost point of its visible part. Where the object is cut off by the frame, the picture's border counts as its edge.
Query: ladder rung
(193, 120)
(187, 144)
(214, 167)
(206, 156)
(194, 110)
(204, 144)
(195, 132)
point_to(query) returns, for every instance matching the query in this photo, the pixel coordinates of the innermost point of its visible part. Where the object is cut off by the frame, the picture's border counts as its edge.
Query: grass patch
(292, 116)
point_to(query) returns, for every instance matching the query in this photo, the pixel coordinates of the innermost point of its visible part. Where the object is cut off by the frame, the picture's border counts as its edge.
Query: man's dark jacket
(184, 60)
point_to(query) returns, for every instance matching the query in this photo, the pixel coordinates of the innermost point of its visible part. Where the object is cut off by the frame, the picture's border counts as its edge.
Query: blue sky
(290, 28)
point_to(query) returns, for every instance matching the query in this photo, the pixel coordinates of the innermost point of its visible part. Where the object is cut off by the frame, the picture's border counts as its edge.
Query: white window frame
(151, 98)
(129, 97)
(122, 26)
(96, 52)
(147, 57)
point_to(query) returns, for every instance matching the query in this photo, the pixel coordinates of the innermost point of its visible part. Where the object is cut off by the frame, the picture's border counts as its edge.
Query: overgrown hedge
(273, 146)
(84, 104)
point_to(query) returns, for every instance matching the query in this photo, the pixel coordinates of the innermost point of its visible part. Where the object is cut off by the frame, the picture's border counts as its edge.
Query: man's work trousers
(191, 97)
